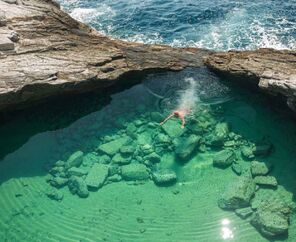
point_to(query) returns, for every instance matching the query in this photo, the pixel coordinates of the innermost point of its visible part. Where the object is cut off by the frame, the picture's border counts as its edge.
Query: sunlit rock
(224, 158)
(259, 168)
(75, 159)
(186, 146)
(78, 186)
(244, 212)
(112, 147)
(248, 152)
(134, 172)
(96, 176)
(164, 177)
(272, 218)
(266, 181)
(238, 193)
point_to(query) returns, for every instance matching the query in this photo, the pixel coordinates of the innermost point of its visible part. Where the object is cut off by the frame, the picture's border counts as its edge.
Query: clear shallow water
(32, 141)
(218, 25)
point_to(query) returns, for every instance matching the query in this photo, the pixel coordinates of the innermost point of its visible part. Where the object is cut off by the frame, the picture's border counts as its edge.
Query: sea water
(35, 142)
(216, 24)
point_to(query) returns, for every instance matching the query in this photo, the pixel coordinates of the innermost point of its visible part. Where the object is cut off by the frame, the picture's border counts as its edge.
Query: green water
(32, 141)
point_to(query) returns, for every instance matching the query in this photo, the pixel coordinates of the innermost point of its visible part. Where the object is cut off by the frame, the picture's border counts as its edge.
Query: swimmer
(181, 113)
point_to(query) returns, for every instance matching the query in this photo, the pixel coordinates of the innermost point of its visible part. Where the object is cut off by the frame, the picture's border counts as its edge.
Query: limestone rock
(120, 160)
(248, 152)
(96, 176)
(112, 147)
(238, 194)
(272, 218)
(244, 212)
(224, 158)
(156, 117)
(75, 159)
(266, 181)
(273, 71)
(259, 168)
(134, 172)
(78, 186)
(58, 182)
(173, 128)
(55, 195)
(5, 43)
(186, 146)
(74, 171)
(3, 20)
(164, 177)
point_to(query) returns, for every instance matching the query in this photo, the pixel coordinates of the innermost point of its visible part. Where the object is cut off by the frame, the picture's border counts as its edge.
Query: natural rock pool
(99, 167)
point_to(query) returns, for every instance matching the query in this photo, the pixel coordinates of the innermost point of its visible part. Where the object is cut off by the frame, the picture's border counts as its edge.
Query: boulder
(156, 117)
(74, 171)
(221, 131)
(224, 158)
(237, 169)
(134, 172)
(127, 150)
(162, 140)
(58, 182)
(266, 181)
(272, 218)
(164, 177)
(238, 194)
(55, 195)
(259, 168)
(75, 159)
(78, 186)
(97, 176)
(186, 146)
(120, 160)
(131, 130)
(113, 147)
(146, 149)
(244, 212)
(90, 158)
(153, 157)
(115, 178)
(247, 152)
(173, 128)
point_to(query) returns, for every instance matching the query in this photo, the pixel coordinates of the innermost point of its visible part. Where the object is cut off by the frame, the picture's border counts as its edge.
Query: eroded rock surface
(273, 71)
(44, 52)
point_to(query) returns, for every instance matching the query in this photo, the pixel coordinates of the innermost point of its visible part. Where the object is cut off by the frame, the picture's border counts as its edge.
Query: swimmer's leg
(170, 116)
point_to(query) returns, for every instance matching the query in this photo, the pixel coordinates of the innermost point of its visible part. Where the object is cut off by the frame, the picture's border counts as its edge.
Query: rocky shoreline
(44, 53)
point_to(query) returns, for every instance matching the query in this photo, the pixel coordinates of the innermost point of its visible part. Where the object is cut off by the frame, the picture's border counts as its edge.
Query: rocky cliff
(273, 71)
(44, 52)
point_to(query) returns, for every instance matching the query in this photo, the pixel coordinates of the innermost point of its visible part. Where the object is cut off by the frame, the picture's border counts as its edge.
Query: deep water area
(100, 167)
(215, 25)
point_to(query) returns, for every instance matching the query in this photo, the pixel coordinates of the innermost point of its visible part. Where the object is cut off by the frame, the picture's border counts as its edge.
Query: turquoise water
(127, 207)
(217, 24)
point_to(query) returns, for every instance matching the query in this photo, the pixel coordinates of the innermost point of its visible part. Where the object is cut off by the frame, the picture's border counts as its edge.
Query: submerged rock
(224, 158)
(272, 218)
(153, 157)
(74, 171)
(75, 159)
(55, 195)
(120, 160)
(186, 146)
(237, 168)
(173, 128)
(134, 172)
(266, 181)
(113, 147)
(248, 152)
(263, 149)
(58, 182)
(244, 212)
(78, 186)
(97, 176)
(259, 168)
(164, 177)
(127, 150)
(238, 194)
(156, 117)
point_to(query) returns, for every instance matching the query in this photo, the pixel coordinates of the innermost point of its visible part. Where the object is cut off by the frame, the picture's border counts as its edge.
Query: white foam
(189, 97)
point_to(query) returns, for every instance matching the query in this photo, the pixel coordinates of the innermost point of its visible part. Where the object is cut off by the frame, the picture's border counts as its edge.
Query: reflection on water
(101, 168)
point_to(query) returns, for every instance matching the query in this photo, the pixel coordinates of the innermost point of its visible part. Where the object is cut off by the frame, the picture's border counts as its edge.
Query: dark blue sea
(216, 24)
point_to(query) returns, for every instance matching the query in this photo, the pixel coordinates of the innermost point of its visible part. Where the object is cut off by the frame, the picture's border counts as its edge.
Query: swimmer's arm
(183, 123)
(170, 116)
